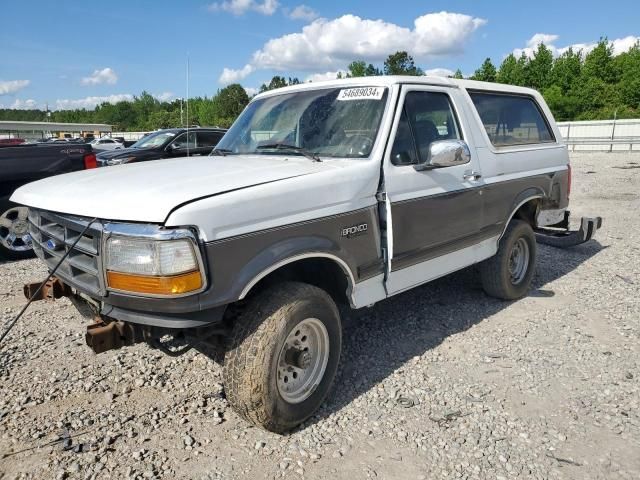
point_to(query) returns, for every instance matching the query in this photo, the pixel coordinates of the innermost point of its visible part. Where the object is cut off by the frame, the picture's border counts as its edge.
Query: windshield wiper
(285, 146)
(223, 152)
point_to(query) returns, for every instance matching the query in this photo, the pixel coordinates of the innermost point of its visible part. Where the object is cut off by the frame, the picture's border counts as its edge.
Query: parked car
(173, 142)
(106, 144)
(5, 142)
(332, 193)
(25, 163)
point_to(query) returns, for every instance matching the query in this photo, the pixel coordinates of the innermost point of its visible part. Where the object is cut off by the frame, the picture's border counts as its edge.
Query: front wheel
(15, 241)
(283, 356)
(509, 273)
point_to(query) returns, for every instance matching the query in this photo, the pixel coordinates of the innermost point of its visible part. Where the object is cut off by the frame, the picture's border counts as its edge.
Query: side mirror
(446, 153)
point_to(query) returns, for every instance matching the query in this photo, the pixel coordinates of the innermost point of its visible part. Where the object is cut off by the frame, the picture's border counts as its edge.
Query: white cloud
(12, 86)
(439, 72)
(240, 7)
(620, 45)
(165, 96)
(251, 91)
(232, 76)
(106, 75)
(302, 12)
(320, 77)
(91, 102)
(18, 104)
(330, 44)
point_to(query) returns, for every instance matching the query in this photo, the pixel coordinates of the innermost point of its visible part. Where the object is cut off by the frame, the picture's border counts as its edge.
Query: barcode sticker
(361, 93)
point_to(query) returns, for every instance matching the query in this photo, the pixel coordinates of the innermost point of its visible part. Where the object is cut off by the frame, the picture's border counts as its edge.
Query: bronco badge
(354, 230)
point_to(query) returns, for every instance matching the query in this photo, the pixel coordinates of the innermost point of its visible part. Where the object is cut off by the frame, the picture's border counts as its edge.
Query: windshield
(337, 122)
(154, 140)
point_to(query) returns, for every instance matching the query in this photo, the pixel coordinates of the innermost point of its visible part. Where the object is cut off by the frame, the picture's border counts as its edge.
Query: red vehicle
(9, 142)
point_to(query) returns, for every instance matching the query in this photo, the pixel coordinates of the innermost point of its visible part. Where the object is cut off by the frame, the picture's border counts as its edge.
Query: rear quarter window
(511, 119)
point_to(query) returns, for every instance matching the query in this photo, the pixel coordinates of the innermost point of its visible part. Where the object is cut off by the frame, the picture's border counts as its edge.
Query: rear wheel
(509, 273)
(283, 356)
(15, 241)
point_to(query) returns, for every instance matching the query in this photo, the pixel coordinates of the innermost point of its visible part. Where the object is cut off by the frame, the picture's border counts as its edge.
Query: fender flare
(286, 261)
(522, 198)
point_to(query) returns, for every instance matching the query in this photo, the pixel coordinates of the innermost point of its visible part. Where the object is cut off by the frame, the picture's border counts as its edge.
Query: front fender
(238, 263)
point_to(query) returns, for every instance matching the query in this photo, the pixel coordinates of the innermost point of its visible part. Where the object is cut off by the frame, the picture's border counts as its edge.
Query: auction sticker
(361, 93)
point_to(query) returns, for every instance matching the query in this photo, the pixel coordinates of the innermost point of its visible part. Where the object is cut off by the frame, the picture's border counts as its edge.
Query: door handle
(471, 175)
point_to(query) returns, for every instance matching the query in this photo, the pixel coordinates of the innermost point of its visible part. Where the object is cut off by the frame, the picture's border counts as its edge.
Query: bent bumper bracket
(562, 237)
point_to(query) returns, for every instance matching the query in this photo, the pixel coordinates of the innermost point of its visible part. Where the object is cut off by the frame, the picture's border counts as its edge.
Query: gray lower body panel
(187, 320)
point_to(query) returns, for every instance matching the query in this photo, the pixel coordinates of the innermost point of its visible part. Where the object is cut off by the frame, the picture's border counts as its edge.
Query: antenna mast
(187, 104)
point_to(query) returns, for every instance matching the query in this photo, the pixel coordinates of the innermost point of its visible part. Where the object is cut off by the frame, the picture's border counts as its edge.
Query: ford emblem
(53, 245)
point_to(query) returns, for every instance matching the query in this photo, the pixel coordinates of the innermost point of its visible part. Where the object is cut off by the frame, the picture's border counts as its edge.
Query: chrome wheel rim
(519, 261)
(303, 360)
(14, 229)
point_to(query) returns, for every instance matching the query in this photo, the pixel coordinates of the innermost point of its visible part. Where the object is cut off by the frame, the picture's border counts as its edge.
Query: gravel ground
(439, 382)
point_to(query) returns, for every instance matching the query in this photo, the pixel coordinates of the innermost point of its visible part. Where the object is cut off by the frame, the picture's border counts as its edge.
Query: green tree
(566, 70)
(458, 74)
(539, 68)
(359, 68)
(510, 71)
(230, 101)
(278, 82)
(628, 67)
(401, 63)
(598, 63)
(486, 72)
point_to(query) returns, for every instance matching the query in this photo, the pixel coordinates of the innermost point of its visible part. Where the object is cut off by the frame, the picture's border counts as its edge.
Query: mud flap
(563, 237)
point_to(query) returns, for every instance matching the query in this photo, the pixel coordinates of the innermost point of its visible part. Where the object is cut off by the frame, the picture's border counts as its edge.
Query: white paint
(149, 191)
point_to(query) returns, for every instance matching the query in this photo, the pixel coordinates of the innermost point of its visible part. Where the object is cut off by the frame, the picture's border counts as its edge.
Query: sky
(75, 54)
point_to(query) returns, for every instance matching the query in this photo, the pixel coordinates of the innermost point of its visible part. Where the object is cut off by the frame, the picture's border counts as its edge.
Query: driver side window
(426, 117)
(182, 141)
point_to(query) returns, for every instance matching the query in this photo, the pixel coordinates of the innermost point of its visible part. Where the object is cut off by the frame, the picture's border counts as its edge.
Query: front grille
(53, 234)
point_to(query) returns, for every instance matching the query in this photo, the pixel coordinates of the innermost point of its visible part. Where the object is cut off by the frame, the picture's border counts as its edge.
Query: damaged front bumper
(559, 234)
(113, 328)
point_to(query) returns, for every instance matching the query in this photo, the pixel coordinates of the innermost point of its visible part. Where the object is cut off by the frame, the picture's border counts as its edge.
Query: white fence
(129, 136)
(602, 135)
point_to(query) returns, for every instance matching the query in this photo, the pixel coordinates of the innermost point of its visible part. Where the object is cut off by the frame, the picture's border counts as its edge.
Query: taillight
(568, 180)
(90, 161)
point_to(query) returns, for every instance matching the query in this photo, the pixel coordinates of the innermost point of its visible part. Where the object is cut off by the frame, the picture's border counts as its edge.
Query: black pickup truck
(25, 163)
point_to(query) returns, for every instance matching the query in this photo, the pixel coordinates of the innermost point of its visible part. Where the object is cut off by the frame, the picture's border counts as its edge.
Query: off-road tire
(494, 272)
(259, 333)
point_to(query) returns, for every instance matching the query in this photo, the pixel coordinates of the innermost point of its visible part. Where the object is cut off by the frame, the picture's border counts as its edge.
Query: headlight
(120, 160)
(153, 267)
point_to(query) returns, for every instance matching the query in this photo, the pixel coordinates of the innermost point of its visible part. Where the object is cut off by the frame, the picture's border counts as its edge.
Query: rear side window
(511, 119)
(208, 139)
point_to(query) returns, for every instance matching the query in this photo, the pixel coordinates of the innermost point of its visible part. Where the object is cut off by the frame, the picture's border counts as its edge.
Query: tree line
(577, 86)
(146, 113)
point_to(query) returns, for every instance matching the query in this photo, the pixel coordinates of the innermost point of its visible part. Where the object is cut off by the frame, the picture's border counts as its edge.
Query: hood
(116, 153)
(149, 191)
(128, 152)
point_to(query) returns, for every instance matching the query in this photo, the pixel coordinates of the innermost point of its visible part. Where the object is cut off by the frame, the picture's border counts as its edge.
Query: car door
(437, 213)
(207, 140)
(183, 145)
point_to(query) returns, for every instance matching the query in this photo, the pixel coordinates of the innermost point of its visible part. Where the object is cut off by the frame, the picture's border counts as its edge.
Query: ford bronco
(320, 195)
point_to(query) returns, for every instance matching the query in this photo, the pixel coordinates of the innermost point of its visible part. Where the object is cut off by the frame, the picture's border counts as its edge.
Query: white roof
(15, 125)
(389, 80)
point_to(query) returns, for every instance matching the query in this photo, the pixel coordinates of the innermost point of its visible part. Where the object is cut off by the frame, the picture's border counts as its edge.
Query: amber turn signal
(151, 285)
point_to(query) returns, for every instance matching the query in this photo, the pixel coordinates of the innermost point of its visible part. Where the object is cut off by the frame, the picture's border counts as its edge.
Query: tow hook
(53, 289)
(102, 336)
